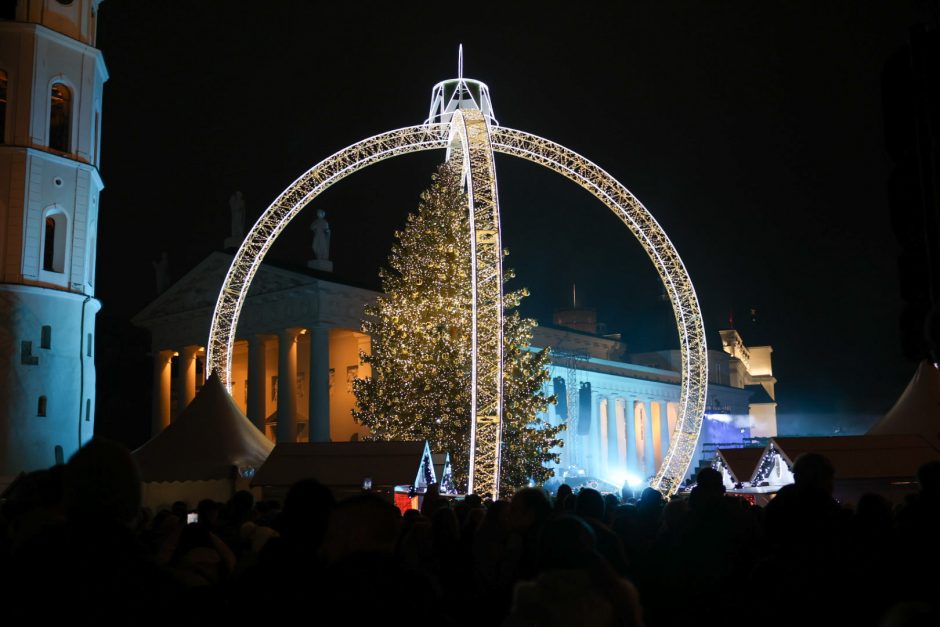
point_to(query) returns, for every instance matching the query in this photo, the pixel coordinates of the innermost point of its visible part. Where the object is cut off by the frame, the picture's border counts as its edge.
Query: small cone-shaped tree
(421, 348)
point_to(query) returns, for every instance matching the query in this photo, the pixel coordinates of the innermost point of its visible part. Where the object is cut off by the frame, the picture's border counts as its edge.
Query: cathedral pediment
(198, 290)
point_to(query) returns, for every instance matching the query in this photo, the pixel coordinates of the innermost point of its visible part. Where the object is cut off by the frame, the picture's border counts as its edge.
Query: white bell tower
(51, 82)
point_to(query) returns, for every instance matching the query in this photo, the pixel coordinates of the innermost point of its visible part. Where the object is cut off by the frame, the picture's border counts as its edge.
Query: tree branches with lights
(421, 347)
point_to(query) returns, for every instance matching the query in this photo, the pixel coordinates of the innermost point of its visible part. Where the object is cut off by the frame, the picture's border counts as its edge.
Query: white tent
(202, 453)
(917, 411)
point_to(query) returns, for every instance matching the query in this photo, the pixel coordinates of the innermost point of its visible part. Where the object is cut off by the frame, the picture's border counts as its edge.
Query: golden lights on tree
(422, 348)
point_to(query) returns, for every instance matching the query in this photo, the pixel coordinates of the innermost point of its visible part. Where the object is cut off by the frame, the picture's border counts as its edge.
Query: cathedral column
(603, 435)
(287, 385)
(319, 381)
(664, 425)
(649, 460)
(613, 439)
(257, 380)
(633, 463)
(185, 378)
(160, 415)
(621, 411)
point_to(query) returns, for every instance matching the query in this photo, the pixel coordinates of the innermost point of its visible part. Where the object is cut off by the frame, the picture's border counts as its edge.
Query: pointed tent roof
(918, 408)
(207, 439)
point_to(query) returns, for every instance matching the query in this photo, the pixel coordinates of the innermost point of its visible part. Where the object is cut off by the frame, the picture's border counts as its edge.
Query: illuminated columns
(633, 463)
(649, 463)
(604, 434)
(287, 385)
(621, 431)
(664, 425)
(160, 415)
(319, 396)
(257, 380)
(185, 378)
(613, 435)
(658, 425)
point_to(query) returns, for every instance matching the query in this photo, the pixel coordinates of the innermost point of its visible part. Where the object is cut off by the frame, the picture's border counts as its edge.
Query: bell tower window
(53, 242)
(60, 118)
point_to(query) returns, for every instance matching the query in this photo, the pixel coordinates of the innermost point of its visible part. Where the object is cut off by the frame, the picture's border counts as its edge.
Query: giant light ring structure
(457, 137)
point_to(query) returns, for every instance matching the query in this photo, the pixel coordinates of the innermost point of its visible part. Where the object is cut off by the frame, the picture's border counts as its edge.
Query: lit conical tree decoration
(421, 347)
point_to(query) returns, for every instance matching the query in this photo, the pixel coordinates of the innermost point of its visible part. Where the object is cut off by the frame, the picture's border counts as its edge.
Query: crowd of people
(76, 546)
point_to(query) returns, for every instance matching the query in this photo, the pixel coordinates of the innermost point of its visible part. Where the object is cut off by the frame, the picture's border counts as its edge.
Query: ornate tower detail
(51, 83)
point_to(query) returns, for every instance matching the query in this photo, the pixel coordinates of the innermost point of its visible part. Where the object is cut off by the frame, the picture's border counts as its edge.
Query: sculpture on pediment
(321, 243)
(236, 205)
(161, 270)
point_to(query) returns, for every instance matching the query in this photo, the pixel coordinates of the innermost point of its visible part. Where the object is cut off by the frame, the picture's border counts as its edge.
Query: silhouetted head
(813, 471)
(529, 508)
(874, 511)
(928, 476)
(242, 503)
(650, 498)
(590, 504)
(365, 523)
(306, 512)
(709, 480)
(179, 509)
(566, 542)
(102, 482)
(497, 514)
(564, 491)
(611, 502)
(444, 526)
(40, 489)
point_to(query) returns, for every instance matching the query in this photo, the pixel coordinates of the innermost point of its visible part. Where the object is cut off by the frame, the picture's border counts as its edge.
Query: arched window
(41, 409)
(3, 106)
(55, 229)
(60, 117)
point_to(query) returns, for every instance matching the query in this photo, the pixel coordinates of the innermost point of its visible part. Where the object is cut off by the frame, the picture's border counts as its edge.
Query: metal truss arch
(285, 207)
(671, 270)
(479, 140)
(470, 142)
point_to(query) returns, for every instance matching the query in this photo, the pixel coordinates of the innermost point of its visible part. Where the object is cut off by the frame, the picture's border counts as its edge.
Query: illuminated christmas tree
(421, 347)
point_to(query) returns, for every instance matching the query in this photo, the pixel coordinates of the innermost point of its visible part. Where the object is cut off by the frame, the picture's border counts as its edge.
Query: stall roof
(342, 464)
(863, 456)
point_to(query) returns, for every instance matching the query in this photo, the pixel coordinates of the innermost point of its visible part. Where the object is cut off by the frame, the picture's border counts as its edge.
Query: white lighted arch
(470, 141)
(602, 185)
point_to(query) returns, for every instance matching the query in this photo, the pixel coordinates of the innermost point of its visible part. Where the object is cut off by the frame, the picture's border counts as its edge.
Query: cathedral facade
(297, 353)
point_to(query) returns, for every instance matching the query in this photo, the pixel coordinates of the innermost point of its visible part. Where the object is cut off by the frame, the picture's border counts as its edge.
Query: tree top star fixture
(461, 121)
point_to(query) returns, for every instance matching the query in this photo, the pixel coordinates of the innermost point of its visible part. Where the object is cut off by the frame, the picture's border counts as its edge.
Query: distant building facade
(51, 84)
(620, 409)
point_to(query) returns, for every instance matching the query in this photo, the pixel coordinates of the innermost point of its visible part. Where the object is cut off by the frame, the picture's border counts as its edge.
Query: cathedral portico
(185, 377)
(319, 396)
(256, 380)
(287, 423)
(161, 390)
(297, 350)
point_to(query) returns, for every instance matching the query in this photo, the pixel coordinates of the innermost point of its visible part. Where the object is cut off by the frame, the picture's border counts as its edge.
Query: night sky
(753, 133)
